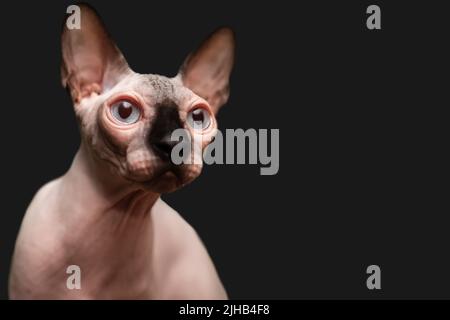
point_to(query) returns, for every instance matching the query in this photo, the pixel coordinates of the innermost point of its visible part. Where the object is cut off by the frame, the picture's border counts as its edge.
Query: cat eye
(125, 112)
(199, 118)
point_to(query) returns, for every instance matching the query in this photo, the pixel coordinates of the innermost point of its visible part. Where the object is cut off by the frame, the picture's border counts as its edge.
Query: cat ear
(207, 70)
(91, 62)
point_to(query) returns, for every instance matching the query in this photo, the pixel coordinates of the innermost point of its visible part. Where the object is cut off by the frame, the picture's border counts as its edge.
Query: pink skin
(105, 214)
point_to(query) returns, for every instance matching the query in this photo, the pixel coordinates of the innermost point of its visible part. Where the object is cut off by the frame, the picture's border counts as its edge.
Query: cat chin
(167, 182)
(167, 178)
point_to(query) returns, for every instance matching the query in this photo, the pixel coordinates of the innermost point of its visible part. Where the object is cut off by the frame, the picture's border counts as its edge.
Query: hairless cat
(105, 214)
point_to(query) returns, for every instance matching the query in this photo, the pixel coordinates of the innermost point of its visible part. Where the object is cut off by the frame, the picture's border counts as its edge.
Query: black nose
(164, 147)
(166, 121)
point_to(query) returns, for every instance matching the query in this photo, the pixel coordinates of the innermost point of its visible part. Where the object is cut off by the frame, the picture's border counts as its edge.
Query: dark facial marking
(166, 121)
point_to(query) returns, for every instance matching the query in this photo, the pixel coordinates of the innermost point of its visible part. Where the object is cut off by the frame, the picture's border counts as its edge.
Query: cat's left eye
(199, 119)
(125, 112)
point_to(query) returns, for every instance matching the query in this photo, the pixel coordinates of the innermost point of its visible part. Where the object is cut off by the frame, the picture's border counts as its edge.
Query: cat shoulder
(189, 272)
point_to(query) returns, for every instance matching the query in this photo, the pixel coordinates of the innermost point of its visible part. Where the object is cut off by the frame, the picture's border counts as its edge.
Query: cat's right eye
(125, 112)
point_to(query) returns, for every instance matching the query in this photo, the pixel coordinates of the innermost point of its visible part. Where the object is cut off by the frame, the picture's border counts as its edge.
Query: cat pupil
(197, 115)
(125, 110)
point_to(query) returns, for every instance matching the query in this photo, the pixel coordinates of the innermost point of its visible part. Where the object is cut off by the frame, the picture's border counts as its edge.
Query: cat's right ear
(91, 62)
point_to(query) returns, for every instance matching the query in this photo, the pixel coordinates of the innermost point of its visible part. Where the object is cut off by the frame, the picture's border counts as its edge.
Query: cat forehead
(154, 88)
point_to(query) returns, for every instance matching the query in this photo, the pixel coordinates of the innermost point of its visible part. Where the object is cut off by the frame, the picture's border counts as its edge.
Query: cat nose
(166, 121)
(164, 146)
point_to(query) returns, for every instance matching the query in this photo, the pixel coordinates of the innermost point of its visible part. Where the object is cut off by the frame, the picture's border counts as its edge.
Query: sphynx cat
(105, 214)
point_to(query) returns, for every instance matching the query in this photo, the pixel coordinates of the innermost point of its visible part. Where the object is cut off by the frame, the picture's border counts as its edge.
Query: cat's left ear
(207, 70)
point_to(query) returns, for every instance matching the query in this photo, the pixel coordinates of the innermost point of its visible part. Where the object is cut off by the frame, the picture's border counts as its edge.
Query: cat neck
(91, 187)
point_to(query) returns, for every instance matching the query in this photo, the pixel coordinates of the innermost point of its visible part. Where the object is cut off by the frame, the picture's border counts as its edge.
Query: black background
(361, 177)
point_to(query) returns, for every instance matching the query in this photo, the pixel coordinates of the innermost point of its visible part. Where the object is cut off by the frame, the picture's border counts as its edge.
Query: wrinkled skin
(105, 214)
